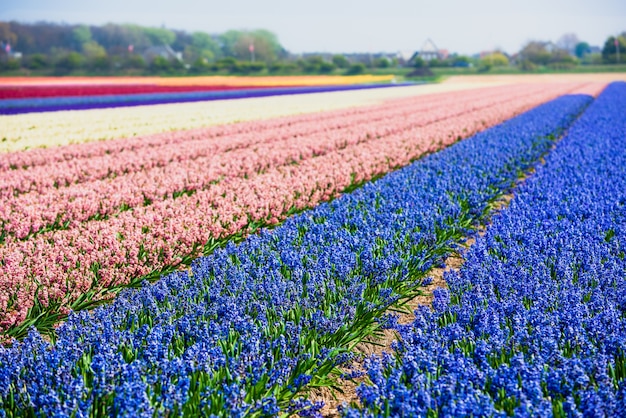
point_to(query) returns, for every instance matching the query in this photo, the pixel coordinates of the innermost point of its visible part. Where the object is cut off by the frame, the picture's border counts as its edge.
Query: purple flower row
(534, 323)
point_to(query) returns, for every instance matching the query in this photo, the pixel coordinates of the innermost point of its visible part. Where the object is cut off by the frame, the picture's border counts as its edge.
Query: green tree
(227, 63)
(36, 61)
(135, 61)
(69, 62)
(381, 63)
(340, 61)
(611, 47)
(535, 52)
(81, 35)
(100, 62)
(202, 41)
(92, 49)
(283, 67)
(326, 67)
(159, 64)
(116, 38)
(435, 62)
(581, 49)
(247, 67)
(10, 64)
(526, 65)
(314, 64)
(159, 36)
(264, 43)
(562, 59)
(177, 65)
(202, 46)
(419, 62)
(200, 65)
(594, 58)
(355, 69)
(495, 59)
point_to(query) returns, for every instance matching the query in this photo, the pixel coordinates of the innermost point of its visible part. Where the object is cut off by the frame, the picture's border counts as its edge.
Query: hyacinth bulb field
(239, 267)
(551, 341)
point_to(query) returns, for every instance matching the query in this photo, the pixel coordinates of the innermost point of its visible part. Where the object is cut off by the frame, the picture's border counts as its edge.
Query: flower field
(126, 223)
(552, 341)
(235, 269)
(22, 96)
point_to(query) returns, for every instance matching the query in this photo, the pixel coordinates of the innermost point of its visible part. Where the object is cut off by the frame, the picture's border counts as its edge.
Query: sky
(465, 27)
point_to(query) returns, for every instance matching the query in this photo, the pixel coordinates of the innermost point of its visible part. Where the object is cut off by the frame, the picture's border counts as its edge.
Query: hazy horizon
(333, 26)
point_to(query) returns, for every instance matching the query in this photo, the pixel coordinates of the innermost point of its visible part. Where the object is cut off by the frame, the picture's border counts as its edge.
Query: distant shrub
(244, 67)
(326, 67)
(200, 65)
(101, 62)
(36, 62)
(562, 60)
(497, 59)
(228, 63)
(419, 62)
(381, 63)
(159, 64)
(340, 61)
(135, 61)
(355, 69)
(283, 67)
(562, 65)
(434, 63)
(421, 72)
(611, 48)
(595, 59)
(527, 65)
(176, 64)
(11, 64)
(314, 65)
(69, 62)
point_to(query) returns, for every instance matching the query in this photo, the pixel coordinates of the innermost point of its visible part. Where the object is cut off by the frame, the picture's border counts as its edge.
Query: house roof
(163, 50)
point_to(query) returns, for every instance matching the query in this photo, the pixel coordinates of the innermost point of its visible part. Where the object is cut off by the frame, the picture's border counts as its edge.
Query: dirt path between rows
(333, 400)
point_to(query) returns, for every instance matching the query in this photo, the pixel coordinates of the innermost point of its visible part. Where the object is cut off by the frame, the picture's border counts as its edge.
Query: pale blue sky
(353, 26)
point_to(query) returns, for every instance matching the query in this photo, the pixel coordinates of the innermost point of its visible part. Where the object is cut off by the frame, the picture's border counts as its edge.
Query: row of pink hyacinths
(136, 242)
(29, 213)
(279, 126)
(34, 171)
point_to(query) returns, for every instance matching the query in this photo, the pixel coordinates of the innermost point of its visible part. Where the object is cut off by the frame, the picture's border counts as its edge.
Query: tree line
(567, 53)
(113, 48)
(132, 49)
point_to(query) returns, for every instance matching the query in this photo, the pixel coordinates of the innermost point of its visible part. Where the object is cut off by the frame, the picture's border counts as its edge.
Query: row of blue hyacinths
(534, 323)
(253, 327)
